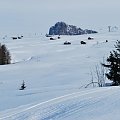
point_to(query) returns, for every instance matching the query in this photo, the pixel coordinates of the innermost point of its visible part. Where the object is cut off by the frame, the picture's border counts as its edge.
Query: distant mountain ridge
(61, 28)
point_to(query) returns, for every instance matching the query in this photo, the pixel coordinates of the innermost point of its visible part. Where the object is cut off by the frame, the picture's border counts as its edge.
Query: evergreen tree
(5, 57)
(114, 65)
(22, 86)
(0, 55)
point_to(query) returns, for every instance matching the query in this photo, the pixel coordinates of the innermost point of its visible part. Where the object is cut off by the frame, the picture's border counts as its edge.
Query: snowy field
(56, 75)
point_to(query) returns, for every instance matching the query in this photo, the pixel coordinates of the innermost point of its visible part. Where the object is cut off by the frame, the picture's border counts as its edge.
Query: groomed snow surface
(56, 75)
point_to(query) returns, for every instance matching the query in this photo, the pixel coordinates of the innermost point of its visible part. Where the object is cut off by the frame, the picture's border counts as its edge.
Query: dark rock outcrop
(61, 28)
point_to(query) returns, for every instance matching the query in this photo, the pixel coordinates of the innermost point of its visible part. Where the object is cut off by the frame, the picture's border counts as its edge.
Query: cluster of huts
(19, 37)
(82, 42)
(68, 42)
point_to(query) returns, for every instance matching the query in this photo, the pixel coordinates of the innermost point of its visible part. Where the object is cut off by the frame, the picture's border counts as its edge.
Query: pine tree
(5, 57)
(0, 54)
(114, 65)
(22, 86)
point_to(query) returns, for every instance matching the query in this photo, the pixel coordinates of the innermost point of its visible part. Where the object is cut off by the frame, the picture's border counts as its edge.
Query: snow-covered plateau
(55, 76)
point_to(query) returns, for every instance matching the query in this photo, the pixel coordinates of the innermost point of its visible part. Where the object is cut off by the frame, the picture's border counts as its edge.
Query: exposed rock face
(61, 28)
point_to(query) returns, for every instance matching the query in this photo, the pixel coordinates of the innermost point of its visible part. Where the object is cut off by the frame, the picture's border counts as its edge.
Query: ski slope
(56, 75)
(95, 104)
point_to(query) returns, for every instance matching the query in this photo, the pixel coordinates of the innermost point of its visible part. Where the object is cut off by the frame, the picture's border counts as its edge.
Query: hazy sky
(39, 15)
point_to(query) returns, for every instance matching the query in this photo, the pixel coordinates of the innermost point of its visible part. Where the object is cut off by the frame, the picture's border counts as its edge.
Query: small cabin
(90, 38)
(58, 37)
(83, 42)
(52, 38)
(106, 41)
(14, 38)
(19, 37)
(67, 43)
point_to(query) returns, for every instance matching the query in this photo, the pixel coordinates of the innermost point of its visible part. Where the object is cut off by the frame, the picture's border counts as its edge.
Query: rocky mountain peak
(61, 28)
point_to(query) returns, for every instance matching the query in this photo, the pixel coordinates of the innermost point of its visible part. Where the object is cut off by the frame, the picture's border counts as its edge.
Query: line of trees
(5, 57)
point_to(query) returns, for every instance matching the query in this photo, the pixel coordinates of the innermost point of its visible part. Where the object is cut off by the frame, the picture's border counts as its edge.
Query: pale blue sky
(39, 15)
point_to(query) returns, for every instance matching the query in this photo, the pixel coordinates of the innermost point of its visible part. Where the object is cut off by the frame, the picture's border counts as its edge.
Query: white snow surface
(56, 75)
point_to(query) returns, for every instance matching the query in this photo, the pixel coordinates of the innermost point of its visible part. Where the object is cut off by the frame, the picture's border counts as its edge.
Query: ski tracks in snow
(61, 107)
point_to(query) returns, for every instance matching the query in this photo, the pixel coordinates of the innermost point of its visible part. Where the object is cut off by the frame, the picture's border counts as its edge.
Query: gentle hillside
(56, 75)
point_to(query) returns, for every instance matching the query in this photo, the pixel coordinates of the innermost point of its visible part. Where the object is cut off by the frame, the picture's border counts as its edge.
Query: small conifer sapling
(22, 86)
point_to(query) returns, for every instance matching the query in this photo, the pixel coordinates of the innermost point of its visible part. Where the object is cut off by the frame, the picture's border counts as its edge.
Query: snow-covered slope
(55, 76)
(95, 104)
